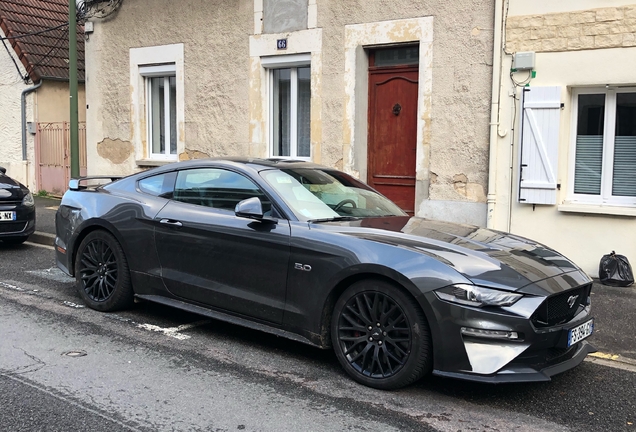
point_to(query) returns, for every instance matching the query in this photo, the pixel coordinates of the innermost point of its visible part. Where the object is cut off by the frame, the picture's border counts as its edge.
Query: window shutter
(539, 145)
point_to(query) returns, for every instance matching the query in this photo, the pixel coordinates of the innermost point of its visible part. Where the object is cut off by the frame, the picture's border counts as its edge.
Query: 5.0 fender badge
(303, 267)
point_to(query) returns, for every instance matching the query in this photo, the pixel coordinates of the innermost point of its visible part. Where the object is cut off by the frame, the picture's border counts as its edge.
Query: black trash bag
(615, 270)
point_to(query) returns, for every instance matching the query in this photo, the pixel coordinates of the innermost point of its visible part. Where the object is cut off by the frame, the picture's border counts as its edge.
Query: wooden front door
(393, 132)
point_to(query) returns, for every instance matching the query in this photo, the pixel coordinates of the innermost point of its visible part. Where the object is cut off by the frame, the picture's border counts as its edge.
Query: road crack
(30, 368)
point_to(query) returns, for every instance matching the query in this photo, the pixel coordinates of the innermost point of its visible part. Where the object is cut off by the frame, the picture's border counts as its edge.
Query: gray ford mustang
(312, 254)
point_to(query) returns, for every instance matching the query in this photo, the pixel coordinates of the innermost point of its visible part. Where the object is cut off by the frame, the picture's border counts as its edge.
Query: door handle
(171, 222)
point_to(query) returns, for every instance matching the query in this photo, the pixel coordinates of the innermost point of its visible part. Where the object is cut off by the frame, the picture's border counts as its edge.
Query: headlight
(473, 295)
(28, 200)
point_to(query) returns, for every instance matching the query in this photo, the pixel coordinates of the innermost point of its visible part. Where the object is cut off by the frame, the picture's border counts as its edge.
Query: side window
(161, 185)
(217, 188)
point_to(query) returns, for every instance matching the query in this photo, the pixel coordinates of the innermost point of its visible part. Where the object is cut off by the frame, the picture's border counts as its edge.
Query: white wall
(582, 233)
(11, 86)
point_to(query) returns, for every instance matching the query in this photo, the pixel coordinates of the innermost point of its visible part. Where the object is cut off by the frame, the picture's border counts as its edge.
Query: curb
(42, 238)
(613, 357)
(616, 364)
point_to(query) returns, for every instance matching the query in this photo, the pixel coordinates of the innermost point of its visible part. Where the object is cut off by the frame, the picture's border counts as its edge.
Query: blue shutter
(539, 145)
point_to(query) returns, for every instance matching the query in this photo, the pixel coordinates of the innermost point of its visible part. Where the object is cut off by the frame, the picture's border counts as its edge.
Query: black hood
(484, 256)
(11, 190)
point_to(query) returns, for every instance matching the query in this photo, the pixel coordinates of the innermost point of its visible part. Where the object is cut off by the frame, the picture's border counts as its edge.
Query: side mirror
(252, 208)
(249, 208)
(3, 170)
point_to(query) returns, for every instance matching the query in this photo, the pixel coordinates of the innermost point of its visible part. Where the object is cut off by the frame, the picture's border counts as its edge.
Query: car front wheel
(380, 335)
(101, 272)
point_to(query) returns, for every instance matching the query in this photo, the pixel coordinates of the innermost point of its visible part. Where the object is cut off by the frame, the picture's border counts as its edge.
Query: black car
(312, 254)
(17, 210)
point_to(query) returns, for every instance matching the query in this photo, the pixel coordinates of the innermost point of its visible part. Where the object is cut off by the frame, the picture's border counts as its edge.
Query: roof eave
(53, 78)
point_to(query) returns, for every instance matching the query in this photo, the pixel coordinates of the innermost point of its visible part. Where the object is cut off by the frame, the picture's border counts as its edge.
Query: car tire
(380, 335)
(102, 274)
(15, 240)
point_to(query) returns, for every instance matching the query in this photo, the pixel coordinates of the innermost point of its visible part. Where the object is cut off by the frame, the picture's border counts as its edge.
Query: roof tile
(45, 56)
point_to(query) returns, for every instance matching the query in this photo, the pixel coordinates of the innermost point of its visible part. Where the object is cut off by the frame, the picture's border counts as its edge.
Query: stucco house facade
(562, 162)
(34, 90)
(396, 93)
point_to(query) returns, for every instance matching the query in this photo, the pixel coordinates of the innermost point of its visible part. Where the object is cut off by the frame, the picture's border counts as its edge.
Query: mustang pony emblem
(572, 300)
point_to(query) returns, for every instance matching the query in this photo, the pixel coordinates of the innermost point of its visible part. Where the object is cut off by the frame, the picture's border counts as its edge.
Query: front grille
(11, 227)
(556, 309)
(545, 357)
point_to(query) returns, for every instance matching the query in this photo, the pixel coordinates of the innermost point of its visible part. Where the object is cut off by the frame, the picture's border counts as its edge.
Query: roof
(256, 163)
(45, 55)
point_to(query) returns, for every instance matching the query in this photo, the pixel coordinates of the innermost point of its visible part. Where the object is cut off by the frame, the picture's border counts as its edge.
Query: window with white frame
(161, 117)
(157, 103)
(605, 146)
(290, 106)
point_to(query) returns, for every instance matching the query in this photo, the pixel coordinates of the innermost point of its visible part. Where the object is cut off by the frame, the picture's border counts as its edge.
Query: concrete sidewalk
(45, 208)
(614, 308)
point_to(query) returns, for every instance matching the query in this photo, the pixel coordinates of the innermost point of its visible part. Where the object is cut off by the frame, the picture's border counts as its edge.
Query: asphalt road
(154, 368)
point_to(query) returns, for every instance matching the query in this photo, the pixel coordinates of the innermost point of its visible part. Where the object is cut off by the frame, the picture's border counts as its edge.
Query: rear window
(161, 185)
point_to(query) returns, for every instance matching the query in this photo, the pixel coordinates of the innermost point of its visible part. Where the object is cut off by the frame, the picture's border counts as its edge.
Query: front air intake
(562, 307)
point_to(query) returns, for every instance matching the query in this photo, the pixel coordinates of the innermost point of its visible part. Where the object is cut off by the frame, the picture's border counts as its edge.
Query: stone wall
(610, 27)
(223, 109)
(461, 83)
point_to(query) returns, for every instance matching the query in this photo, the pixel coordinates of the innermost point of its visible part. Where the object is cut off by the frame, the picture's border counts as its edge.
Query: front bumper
(536, 354)
(519, 373)
(62, 259)
(23, 226)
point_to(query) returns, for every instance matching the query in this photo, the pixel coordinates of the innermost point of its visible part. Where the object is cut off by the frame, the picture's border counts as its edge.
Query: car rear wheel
(380, 335)
(101, 271)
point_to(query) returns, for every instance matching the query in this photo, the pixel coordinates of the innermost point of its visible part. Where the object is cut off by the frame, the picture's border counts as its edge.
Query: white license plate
(580, 332)
(7, 216)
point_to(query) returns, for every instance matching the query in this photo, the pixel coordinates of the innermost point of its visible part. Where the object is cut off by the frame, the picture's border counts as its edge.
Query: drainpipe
(494, 112)
(25, 92)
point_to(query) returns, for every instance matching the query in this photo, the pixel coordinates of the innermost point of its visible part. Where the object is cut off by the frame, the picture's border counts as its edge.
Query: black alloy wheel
(380, 335)
(102, 274)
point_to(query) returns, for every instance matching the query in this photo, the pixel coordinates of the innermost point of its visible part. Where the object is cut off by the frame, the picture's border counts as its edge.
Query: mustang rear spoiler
(74, 184)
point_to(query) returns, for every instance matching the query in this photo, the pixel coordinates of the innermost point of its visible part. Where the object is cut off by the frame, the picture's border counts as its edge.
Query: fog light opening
(490, 334)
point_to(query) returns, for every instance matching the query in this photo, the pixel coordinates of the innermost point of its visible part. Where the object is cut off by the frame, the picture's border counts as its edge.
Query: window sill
(153, 162)
(598, 209)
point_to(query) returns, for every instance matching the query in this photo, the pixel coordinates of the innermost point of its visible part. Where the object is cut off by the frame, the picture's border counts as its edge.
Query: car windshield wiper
(334, 219)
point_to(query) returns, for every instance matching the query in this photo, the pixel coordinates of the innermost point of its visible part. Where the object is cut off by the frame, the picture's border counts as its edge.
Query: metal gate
(53, 155)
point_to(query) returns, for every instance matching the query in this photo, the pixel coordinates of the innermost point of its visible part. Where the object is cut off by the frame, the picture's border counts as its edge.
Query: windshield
(328, 194)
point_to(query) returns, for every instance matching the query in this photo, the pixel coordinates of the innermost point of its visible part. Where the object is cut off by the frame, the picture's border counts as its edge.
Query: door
(53, 155)
(393, 89)
(210, 256)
